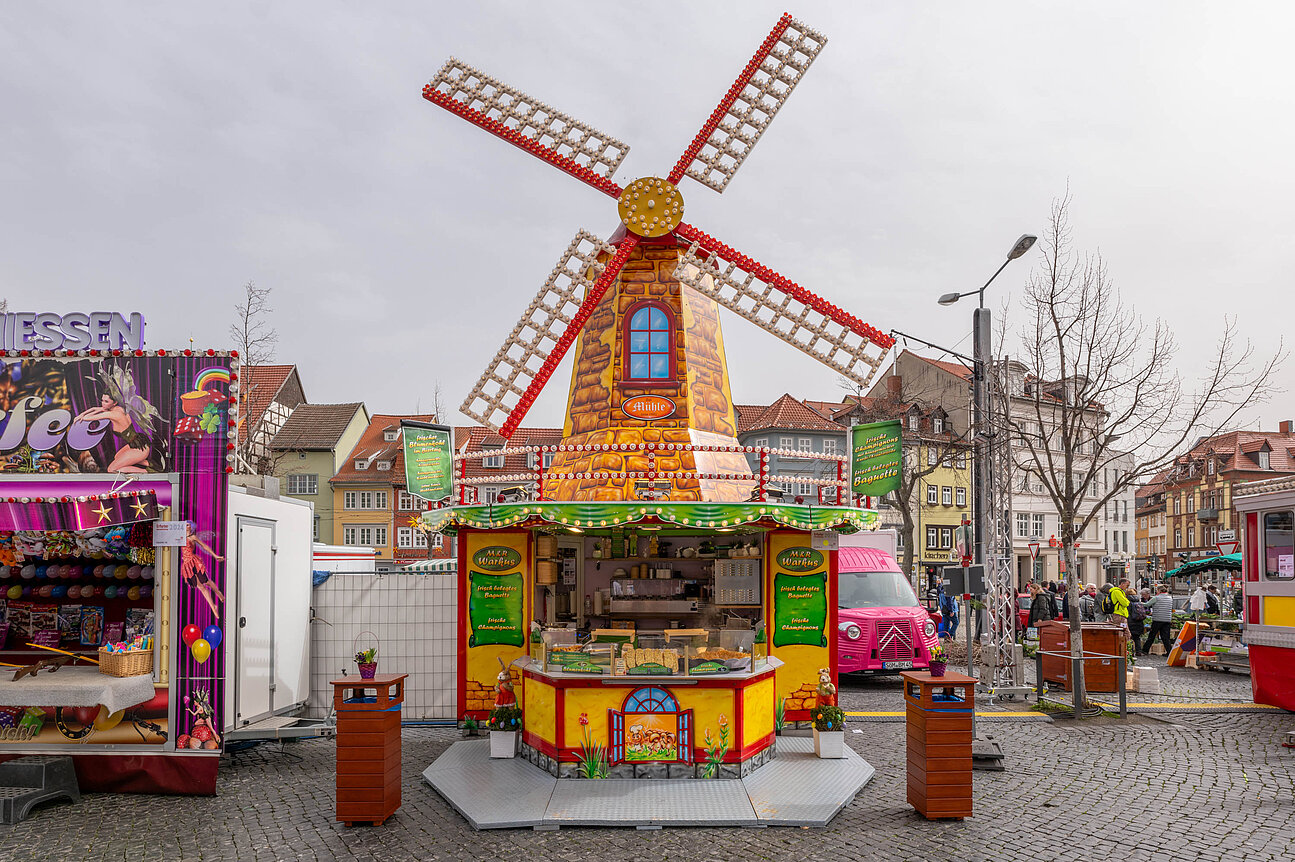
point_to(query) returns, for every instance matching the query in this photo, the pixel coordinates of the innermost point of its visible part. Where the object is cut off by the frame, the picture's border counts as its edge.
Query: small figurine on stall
(826, 689)
(504, 689)
(194, 570)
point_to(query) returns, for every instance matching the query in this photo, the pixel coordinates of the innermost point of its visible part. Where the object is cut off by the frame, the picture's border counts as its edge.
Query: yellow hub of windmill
(650, 207)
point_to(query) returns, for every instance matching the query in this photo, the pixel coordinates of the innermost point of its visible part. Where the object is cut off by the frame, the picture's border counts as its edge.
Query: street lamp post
(982, 351)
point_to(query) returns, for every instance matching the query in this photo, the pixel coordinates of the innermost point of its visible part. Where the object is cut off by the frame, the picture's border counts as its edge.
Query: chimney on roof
(1284, 426)
(895, 386)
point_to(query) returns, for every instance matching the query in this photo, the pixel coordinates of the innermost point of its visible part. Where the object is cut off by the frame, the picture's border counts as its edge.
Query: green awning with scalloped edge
(694, 516)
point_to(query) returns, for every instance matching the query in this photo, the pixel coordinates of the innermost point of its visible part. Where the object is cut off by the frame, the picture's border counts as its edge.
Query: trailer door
(255, 631)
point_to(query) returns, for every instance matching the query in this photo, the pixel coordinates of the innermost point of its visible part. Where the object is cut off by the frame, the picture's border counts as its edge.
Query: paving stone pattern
(1182, 787)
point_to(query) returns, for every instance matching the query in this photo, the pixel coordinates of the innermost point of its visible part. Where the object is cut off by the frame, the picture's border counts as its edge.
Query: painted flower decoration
(210, 419)
(723, 720)
(584, 719)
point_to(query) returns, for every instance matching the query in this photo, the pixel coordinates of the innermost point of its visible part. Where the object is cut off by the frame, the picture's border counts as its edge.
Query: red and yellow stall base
(643, 726)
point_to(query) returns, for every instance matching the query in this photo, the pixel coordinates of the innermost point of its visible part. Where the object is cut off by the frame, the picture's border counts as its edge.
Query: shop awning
(1226, 562)
(696, 516)
(441, 565)
(77, 512)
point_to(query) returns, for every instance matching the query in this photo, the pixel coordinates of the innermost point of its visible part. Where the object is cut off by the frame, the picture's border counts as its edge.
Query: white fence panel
(413, 617)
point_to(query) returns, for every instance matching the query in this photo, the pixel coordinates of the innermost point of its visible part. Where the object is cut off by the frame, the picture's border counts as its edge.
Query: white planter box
(505, 743)
(829, 743)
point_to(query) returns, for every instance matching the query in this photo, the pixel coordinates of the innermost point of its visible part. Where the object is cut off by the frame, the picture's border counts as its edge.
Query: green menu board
(799, 609)
(495, 609)
(429, 461)
(876, 458)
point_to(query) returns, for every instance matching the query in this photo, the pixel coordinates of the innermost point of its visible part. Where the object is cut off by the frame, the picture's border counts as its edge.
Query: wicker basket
(133, 663)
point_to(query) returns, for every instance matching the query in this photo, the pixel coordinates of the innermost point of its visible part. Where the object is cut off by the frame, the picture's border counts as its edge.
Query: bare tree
(1096, 387)
(897, 404)
(438, 401)
(255, 338)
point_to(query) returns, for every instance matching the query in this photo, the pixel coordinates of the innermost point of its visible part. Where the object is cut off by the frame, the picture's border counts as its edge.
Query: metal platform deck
(795, 789)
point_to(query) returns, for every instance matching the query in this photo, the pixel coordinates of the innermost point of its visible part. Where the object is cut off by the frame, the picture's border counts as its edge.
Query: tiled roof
(373, 448)
(787, 412)
(474, 438)
(1236, 452)
(315, 427)
(955, 368)
(258, 384)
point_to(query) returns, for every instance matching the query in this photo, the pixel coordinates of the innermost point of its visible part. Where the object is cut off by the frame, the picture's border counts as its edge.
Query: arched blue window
(649, 337)
(650, 700)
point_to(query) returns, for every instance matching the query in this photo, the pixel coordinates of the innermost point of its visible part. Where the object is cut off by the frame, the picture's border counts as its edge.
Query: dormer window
(914, 422)
(362, 464)
(384, 465)
(494, 461)
(391, 435)
(937, 424)
(1262, 457)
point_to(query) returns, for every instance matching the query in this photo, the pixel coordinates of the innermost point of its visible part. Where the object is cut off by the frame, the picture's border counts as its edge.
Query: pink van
(882, 628)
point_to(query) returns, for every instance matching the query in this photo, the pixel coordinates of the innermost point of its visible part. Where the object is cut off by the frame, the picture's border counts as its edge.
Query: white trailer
(269, 552)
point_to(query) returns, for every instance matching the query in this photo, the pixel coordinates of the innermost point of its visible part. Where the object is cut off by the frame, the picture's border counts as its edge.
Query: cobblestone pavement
(1187, 787)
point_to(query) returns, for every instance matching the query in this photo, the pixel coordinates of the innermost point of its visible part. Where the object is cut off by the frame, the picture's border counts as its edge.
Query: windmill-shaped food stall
(650, 534)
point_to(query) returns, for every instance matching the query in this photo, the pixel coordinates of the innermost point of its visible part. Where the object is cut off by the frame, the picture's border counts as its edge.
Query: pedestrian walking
(1137, 618)
(1161, 615)
(1120, 600)
(1212, 603)
(949, 609)
(1088, 604)
(1105, 604)
(1040, 605)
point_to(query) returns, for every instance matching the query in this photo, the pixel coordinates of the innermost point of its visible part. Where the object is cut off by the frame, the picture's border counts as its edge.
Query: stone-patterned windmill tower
(642, 308)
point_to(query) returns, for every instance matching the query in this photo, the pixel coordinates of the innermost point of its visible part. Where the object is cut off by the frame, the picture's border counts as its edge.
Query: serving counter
(664, 725)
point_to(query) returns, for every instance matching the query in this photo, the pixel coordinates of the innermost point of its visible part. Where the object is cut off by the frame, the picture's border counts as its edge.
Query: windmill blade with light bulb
(650, 210)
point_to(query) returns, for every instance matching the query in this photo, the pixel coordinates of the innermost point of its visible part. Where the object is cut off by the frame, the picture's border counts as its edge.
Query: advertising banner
(429, 461)
(494, 615)
(802, 618)
(876, 458)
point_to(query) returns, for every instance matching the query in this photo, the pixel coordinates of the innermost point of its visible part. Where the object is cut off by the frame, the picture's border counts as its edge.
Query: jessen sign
(648, 407)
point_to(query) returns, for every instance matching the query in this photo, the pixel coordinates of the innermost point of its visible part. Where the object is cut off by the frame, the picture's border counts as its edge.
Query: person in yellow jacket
(1120, 598)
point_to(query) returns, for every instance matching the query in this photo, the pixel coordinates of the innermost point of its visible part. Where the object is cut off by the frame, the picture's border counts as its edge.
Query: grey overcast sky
(156, 156)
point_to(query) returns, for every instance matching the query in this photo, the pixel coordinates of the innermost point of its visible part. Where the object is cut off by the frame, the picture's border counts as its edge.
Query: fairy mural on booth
(146, 438)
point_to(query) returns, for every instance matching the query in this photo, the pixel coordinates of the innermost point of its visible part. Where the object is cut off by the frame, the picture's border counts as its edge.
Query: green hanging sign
(429, 459)
(495, 609)
(876, 458)
(800, 609)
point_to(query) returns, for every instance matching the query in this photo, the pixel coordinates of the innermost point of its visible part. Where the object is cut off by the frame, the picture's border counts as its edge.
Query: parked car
(883, 627)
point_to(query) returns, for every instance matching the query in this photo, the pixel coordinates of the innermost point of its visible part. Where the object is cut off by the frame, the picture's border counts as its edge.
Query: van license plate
(896, 665)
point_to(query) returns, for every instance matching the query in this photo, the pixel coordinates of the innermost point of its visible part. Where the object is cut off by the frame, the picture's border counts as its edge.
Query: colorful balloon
(28, 571)
(213, 636)
(15, 592)
(60, 591)
(191, 635)
(45, 592)
(201, 650)
(110, 592)
(133, 594)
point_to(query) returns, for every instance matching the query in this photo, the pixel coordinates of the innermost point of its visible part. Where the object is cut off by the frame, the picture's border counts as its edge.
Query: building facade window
(1022, 525)
(495, 462)
(806, 444)
(946, 495)
(364, 500)
(1191, 537)
(649, 332)
(914, 423)
(932, 537)
(365, 535)
(1040, 525)
(304, 484)
(760, 442)
(946, 538)
(961, 460)
(932, 495)
(931, 458)
(962, 496)
(937, 425)
(1263, 460)
(786, 443)
(831, 446)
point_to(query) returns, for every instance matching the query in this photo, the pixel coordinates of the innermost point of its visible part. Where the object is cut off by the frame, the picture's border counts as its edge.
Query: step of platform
(25, 782)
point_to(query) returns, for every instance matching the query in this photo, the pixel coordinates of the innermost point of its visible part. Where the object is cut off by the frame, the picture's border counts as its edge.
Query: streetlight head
(950, 298)
(1022, 246)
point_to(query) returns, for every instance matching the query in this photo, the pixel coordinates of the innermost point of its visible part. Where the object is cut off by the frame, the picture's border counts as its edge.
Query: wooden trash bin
(939, 711)
(1100, 674)
(368, 747)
